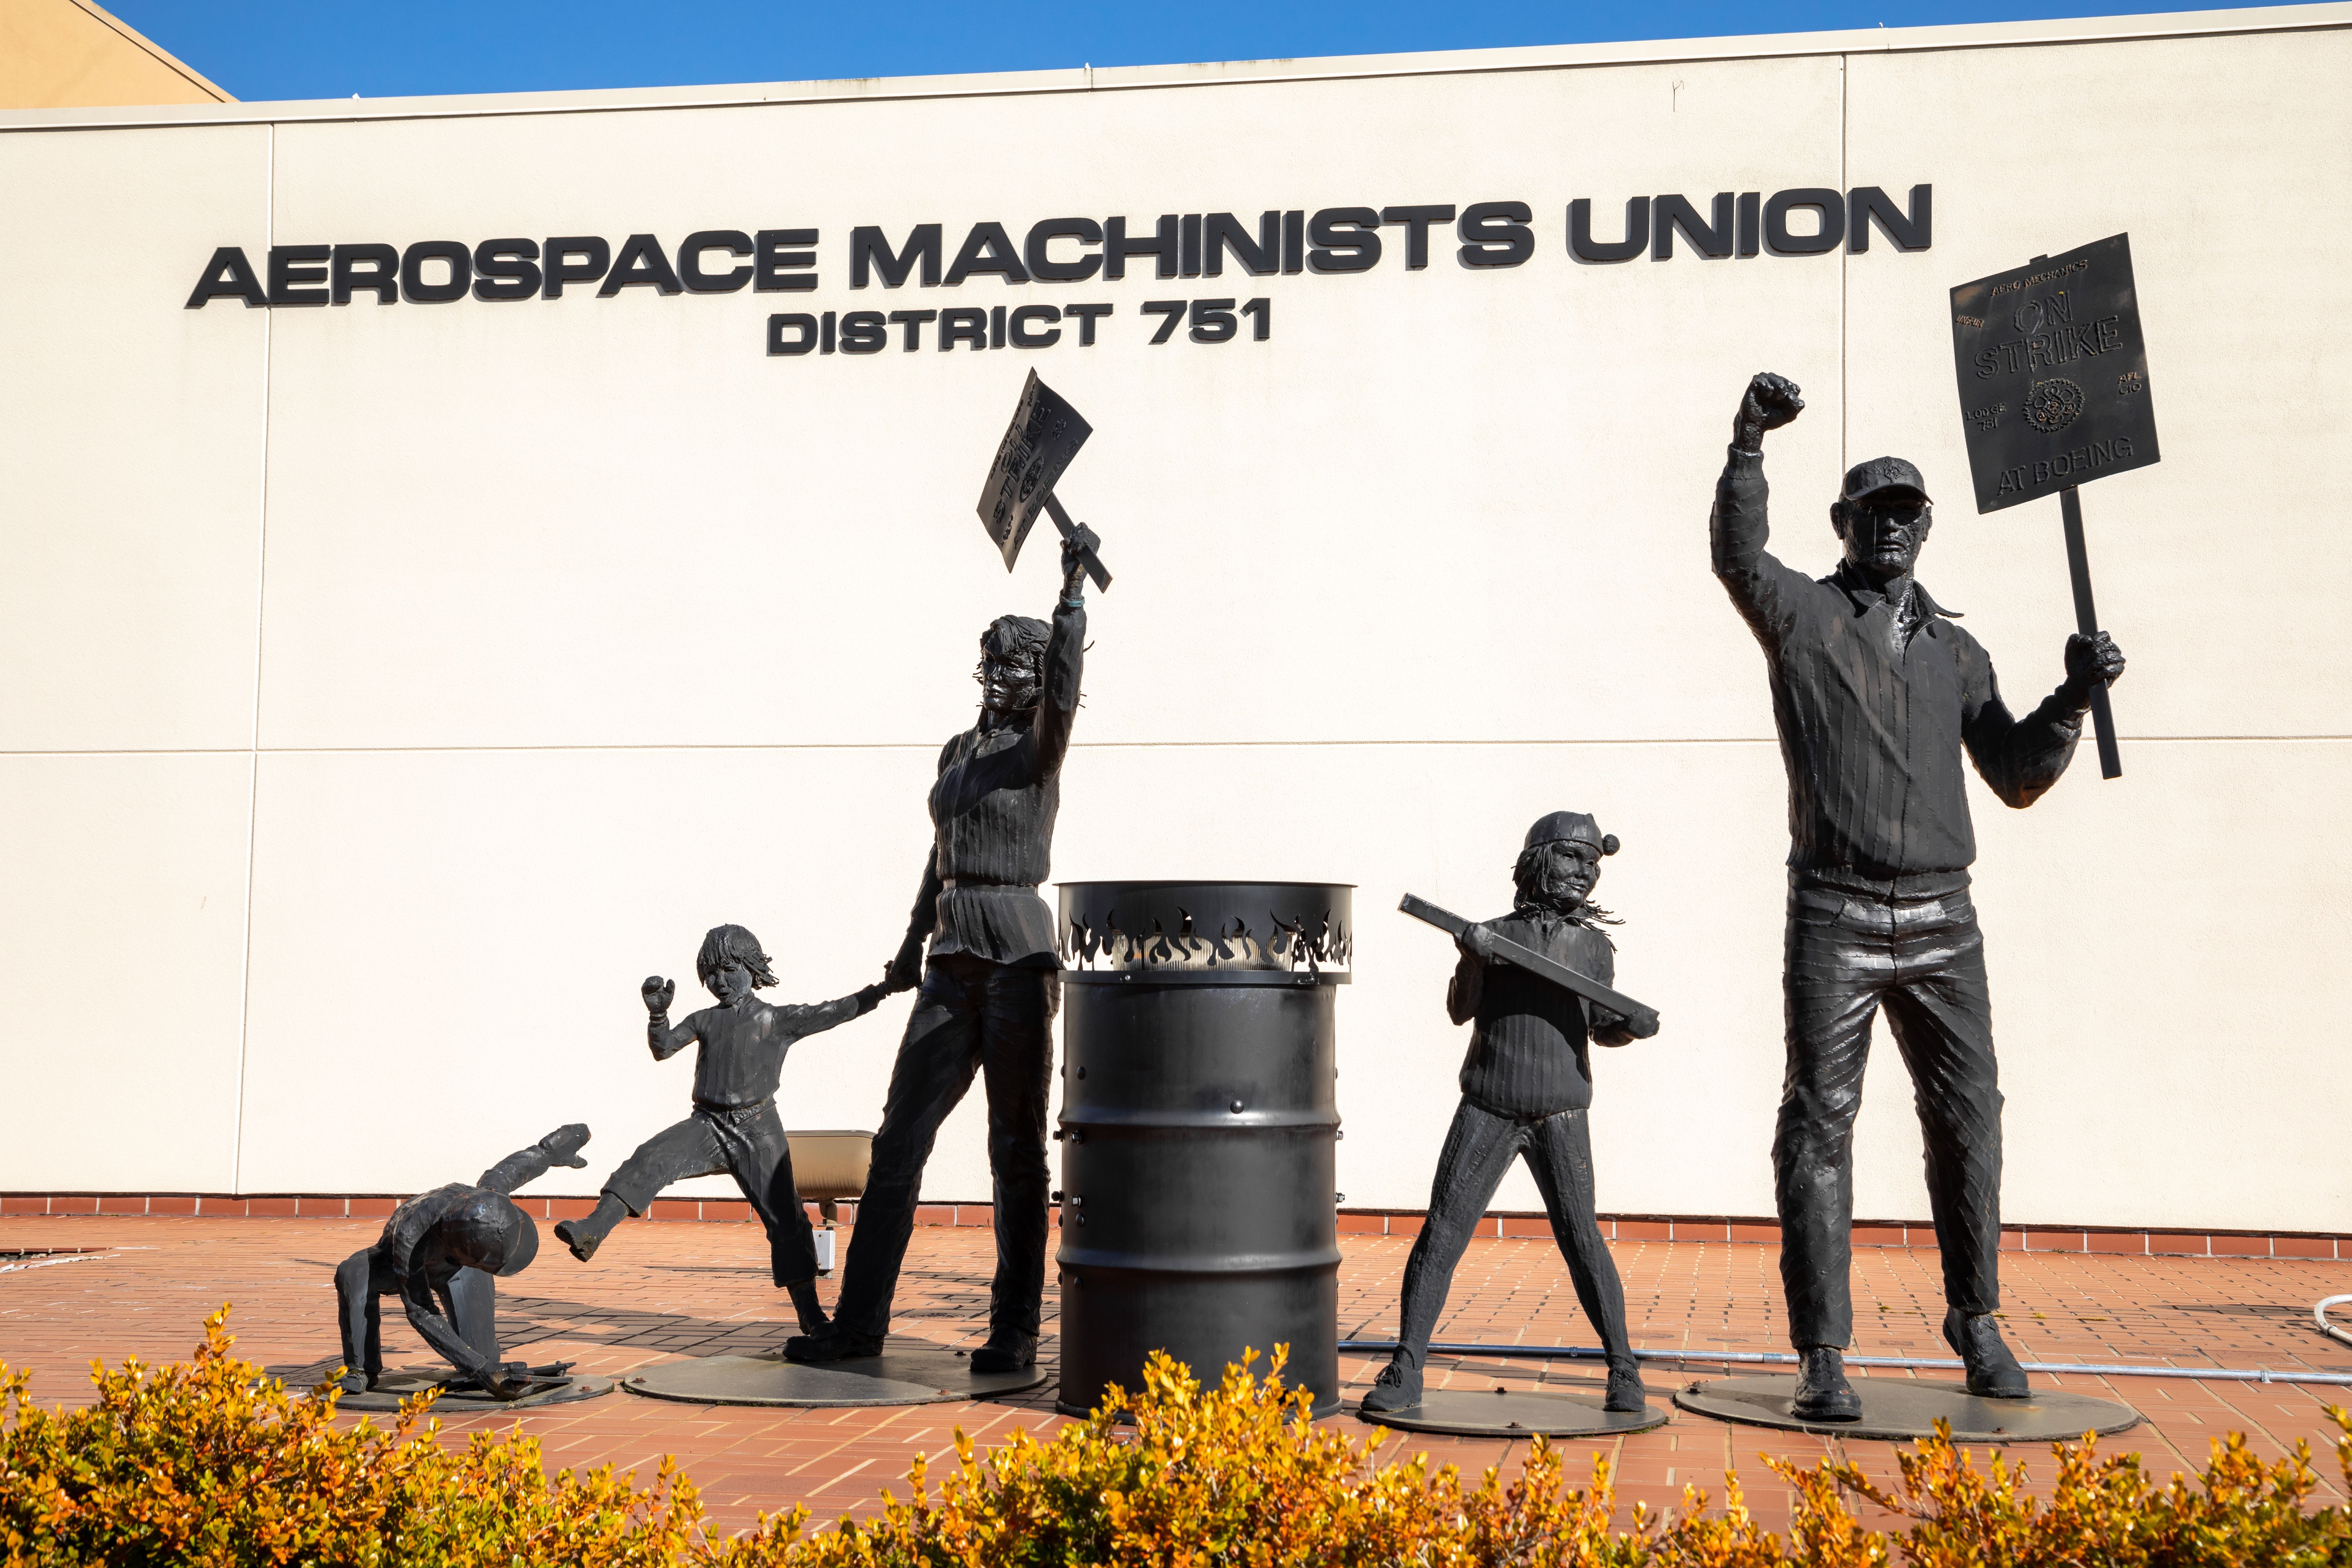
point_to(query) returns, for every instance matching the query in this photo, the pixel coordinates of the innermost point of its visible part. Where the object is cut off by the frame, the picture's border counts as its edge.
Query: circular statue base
(1899, 1409)
(908, 1372)
(391, 1388)
(1516, 1413)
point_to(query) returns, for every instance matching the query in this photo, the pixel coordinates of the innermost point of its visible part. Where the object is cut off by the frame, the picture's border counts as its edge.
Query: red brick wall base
(1352, 1222)
(328, 1205)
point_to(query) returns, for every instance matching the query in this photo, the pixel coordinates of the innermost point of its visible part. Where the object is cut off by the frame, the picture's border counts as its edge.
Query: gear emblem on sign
(2053, 405)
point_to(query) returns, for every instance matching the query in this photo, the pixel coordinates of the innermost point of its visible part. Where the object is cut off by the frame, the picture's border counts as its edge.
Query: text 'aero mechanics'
(1482, 237)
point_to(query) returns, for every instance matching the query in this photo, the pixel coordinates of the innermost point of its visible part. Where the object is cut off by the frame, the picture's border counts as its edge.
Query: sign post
(2054, 393)
(1045, 434)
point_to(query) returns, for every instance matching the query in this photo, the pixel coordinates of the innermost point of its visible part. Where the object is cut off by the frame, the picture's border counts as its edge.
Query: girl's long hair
(1527, 875)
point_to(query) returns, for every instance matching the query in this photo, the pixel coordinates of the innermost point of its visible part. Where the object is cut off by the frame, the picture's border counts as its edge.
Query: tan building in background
(390, 686)
(70, 53)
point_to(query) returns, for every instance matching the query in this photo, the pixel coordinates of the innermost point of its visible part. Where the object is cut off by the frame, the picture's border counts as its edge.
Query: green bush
(208, 1463)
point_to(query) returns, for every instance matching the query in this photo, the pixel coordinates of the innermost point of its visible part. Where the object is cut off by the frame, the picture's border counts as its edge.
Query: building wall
(392, 688)
(69, 54)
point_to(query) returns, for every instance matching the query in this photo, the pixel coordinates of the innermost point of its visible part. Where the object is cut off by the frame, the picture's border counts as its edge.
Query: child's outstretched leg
(762, 1160)
(584, 1237)
(1560, 1158)
(688, 1149)
(1479, 1148)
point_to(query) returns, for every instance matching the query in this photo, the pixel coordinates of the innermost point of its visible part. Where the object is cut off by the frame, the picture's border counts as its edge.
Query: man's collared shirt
(1872, 722)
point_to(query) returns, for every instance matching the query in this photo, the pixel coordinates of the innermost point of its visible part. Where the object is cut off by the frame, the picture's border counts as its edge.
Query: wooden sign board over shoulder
(2053, 374)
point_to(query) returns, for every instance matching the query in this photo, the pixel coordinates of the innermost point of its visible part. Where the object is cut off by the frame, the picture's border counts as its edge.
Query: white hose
(52, 1262)
(2319, 1312)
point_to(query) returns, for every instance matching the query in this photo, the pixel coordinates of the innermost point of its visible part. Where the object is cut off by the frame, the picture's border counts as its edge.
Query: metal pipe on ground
(1922, 1363)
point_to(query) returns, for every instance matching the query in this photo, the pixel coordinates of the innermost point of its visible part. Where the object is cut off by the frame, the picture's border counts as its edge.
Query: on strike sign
(2053, 374)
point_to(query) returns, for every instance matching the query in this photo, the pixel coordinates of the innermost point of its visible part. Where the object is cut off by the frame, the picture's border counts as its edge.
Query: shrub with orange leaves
(211, 1464)
(1239, 1475)
(2241, 1511)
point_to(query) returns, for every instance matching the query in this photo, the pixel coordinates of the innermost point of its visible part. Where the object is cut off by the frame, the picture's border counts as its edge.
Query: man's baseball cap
(1574, 826)
(1884, 474)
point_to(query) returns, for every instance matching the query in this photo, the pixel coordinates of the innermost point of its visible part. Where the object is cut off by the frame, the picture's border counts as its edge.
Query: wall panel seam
(261, 617)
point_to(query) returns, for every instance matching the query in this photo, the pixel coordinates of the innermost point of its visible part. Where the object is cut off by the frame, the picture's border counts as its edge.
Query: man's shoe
(1626, 1395)
(1822, 1392)
(1397, 1388)
(807, 1309)
(1007, 1349)
(582, 1243)
(835, 1343)
(512, 1372)
(1993, 1371)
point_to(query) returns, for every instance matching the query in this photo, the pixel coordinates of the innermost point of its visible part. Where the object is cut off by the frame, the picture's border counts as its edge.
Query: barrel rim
(1319, 1260)
(1231, 979)
(1102, 1114)
(1148, 884)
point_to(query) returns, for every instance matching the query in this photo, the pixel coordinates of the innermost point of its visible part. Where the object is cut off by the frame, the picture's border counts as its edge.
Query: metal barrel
(1199, 1116)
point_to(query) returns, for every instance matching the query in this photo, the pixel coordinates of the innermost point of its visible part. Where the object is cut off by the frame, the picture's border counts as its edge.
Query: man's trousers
(1923, 959)
(1479, 1149)
(470, 1303)
(970, 1017)
(747, 1143)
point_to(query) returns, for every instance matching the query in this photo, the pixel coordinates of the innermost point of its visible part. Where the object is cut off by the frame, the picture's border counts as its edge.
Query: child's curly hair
(1527, 876)
(733, 941)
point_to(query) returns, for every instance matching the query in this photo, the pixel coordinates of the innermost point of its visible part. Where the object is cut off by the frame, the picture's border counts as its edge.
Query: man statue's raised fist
(1769, 402)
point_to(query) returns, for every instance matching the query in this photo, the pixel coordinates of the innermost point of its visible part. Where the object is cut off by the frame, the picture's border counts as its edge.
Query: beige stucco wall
(391, 688)
(66, 54)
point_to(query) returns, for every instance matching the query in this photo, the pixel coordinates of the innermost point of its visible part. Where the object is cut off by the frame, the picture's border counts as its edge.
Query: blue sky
(272, 49)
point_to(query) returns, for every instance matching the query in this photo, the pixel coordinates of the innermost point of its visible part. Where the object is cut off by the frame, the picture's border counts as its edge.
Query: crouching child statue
(441, 1253)
(733, 1127)
(1525, 1084)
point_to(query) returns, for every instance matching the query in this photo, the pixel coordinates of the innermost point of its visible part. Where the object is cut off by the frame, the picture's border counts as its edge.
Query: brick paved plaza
(665, 1289)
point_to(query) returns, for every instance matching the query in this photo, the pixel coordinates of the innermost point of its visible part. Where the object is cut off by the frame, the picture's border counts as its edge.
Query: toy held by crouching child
(1524, 1087)
(441, 1253)
(734, 1127)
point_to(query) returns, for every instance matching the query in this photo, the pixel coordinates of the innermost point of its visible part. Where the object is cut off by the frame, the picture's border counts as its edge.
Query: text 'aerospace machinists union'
(1338, 240)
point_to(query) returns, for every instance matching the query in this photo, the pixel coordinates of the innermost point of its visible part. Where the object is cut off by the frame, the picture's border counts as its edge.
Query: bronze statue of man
(1877, 693)
(989, 992)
